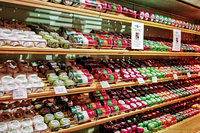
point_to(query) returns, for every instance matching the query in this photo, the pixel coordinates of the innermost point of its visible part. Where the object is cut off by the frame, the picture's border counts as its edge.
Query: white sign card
(175, 76)
(20, 94)
(105, 84)
(60, 89)
(176, 40)
(154, 79)
(140, 80)
(188, 74)
(137, 35)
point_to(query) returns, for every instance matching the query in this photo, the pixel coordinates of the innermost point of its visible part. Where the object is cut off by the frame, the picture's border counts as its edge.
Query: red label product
(140, 15)
(151, 17)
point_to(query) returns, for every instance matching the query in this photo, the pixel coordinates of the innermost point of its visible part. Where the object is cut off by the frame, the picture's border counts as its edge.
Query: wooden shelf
(93, 87)
(23, 50)
(122, 115)
(70, 9)
(189, 125)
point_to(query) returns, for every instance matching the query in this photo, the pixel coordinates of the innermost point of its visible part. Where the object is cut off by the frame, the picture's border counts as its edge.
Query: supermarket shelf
(69, 9)
(23, 50)
(122, 115)
(93, 87)
(189, 125)
(49, 93)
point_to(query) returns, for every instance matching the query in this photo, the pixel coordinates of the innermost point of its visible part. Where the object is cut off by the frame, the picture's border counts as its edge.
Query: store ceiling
(172, 6)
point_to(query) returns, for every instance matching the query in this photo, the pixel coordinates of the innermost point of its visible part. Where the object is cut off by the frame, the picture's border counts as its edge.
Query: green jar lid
(112, 78)
(114, 7)
(119, 43)
(79, 116)
(98, 112)
(104, 71)
(73, 110)
(110, 103)
(116, 108)
(89, 106)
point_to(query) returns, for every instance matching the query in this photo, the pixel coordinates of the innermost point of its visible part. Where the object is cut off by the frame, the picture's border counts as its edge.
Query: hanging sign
(137, 35)
(176, 40)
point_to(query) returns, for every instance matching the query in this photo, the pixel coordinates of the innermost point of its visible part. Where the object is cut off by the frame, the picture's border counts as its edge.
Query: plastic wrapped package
(27, 42)
(15, 124)
(13, 41)
(7, 79)
(9, 87)
(20, 78)
(1, 90)
(40, 43)
(2, 41)
(14, 131)
(40, 128)
(3, 127)
(27, 129)
(37, 86)
(33, 78)
(38, 119)
(26, 122)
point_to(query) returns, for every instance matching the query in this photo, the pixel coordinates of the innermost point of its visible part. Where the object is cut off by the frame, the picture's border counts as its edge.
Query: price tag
(48, 57)
(188, 74)
(154, 79)
(122, 51)
(20, 94)
(137, 35)
(104, 84)
(140, 80)
(175, 76)
(198, 73)
(60, 89)
(176, 40)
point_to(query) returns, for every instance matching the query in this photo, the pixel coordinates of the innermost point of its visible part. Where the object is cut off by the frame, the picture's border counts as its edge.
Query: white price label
(176, 40)
(140, 80)
(60, 89)
(137, 35)
(154, 79)
(104, 84)
(175, 76)
(48, 57)
(122, 51)
(198, 73)
(188, 74)
(20, 94)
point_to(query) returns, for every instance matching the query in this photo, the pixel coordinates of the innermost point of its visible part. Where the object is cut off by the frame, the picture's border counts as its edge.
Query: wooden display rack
(34, 50)
(192, 122)
(189, 125)
(70, 9)
(94, 87)
(122, 115)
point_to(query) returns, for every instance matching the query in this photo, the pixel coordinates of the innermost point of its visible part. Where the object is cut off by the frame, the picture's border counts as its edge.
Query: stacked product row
(101, 103)
(116, 9)
(153, 120)
(85, 71)
(18, 34)
(44, 114)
